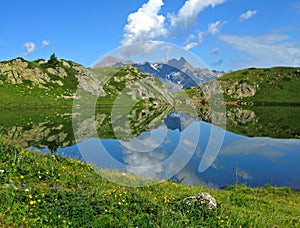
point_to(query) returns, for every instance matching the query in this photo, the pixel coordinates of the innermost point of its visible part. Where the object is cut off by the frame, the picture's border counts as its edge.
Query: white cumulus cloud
(214, 28)
(266, 50)
(30, 47)
(247, 15)
(45, 43)
(189, 12)
(194, 41)
(190, 46)
(146, 24)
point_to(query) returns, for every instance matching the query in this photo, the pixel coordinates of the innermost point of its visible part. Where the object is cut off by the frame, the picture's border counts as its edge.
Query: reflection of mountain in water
(264, 121)
(34, 127)
(124, 126)
(42, 128)
(178, 120)
(256, 121)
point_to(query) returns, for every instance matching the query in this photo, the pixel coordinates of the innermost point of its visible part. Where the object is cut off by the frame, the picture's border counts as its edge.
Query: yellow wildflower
(32, 202)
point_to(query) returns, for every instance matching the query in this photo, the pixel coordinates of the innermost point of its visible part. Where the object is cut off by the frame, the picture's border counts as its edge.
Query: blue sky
(225, 34)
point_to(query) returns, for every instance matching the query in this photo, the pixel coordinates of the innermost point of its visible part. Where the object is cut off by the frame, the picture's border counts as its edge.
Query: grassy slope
(22, 95)
(26, 94)
(278, 84)
(47, 190)
(113, 80)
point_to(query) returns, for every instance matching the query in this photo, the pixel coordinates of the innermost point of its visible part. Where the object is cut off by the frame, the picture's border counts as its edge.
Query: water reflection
(173, 144)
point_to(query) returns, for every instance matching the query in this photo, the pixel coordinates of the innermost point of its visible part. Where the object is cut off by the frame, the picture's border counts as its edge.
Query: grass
(277, 84)
(45, 190)
(24, 95)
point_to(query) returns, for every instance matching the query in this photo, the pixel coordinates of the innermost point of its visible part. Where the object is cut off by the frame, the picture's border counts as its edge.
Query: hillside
(274, 85)
(55, 83)
(42, 83)
(278, 85)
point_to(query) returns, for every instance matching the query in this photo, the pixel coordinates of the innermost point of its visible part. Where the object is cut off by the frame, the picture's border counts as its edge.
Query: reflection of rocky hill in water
(257, 121)
(56, 131)
(40, 136)
(125, 127)
(265, 121)
(38, 128)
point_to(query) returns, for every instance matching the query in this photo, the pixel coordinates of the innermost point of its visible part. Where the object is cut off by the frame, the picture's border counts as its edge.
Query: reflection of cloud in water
(188, 176)
(245, 175)
(144, 164)
(138, 159)
(147, 142)
(265, 147)
(166, 162)
(217, 165)
(188, 143)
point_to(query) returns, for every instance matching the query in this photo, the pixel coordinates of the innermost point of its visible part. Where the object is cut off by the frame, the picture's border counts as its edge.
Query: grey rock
(202, 198)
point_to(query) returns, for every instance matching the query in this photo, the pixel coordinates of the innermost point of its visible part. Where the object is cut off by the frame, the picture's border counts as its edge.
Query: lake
(260, 146)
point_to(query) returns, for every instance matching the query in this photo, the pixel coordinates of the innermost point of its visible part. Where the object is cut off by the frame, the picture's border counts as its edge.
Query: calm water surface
(194, 152)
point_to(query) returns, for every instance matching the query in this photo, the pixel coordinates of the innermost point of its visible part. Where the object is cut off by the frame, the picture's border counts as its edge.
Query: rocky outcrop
(130, 82)
(202, 199)
(232, 88)
(236, 89)
(88, 81)
(17, 71)
(42, 74)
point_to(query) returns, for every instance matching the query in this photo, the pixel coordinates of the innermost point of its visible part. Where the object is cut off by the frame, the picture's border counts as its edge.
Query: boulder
(202, 198)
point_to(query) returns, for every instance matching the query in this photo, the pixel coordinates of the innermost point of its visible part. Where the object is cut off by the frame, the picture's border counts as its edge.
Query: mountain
(277, 85)
(57, 82)
(134, 102)
(175, 74)
(50, 83)
(112, 61)
(178, 72)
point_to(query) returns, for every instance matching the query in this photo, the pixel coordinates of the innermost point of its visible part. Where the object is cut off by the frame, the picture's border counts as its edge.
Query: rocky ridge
(47, 75)
(175, 74)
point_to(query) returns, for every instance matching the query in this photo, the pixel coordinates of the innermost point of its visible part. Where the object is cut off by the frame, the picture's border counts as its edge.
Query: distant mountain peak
(182, 63)
(112, 61)
(178, 73)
